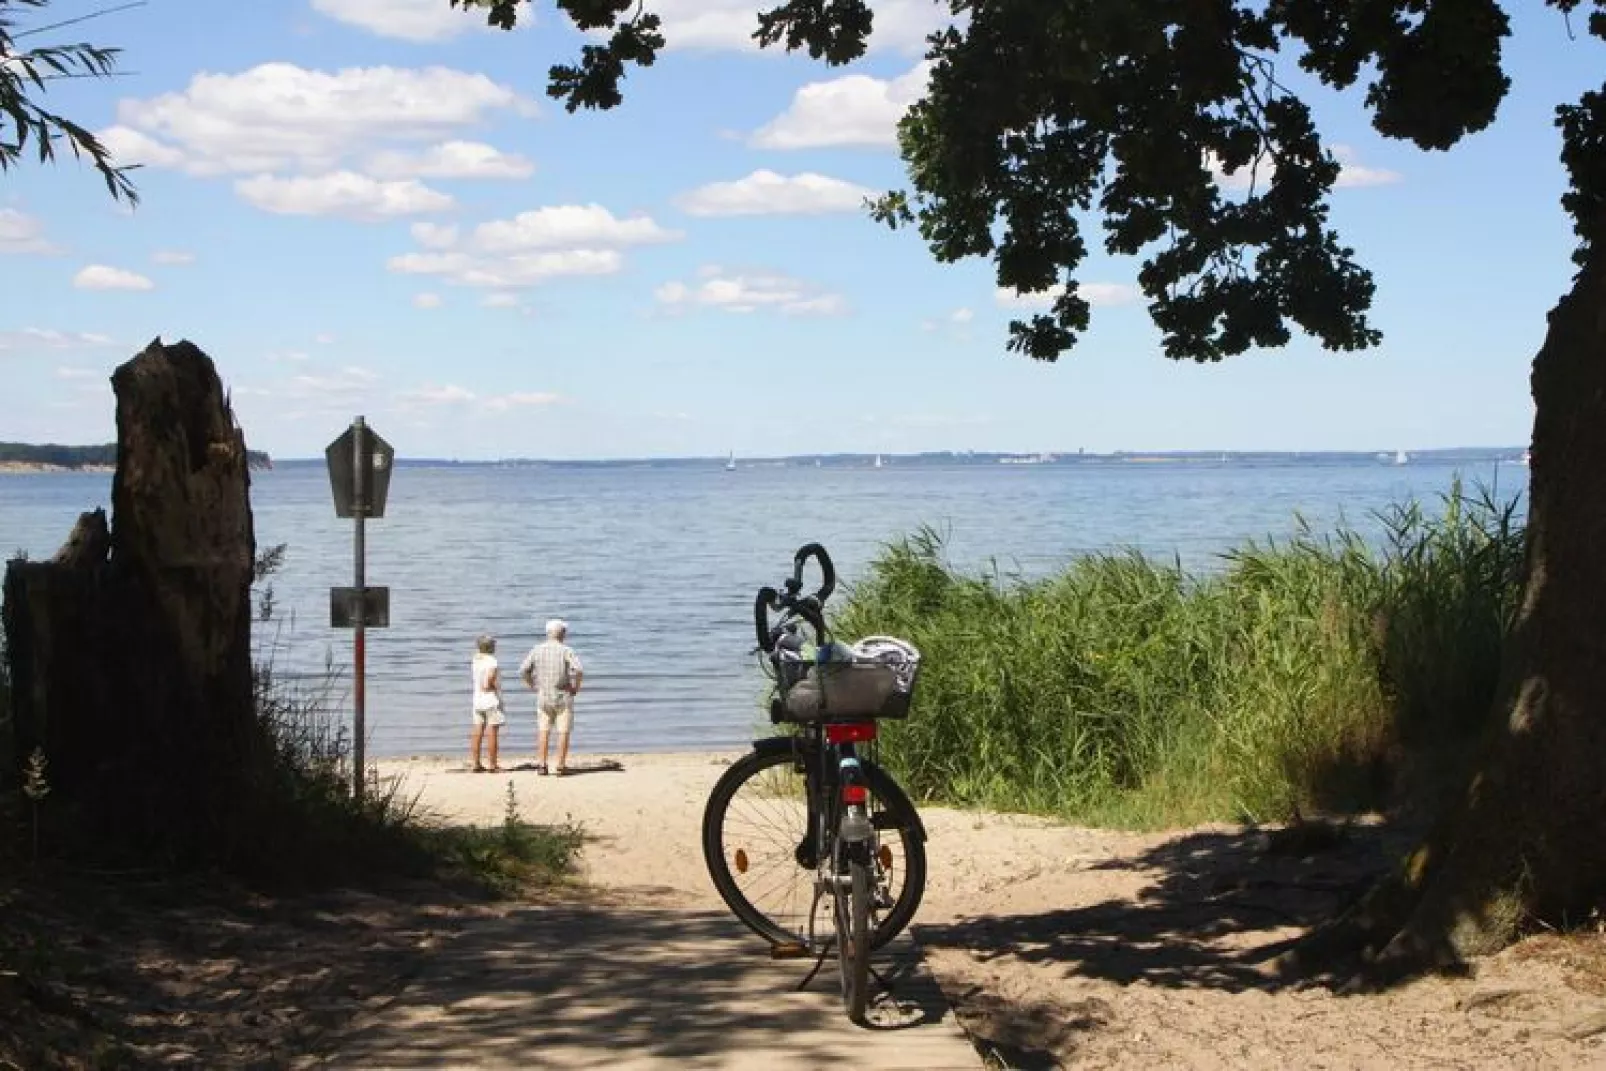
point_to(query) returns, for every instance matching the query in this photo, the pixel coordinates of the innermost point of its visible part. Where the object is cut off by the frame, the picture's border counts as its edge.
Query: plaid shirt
(552, 667)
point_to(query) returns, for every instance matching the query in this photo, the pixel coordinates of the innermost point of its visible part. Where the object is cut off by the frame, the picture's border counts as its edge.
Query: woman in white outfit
(487, 702)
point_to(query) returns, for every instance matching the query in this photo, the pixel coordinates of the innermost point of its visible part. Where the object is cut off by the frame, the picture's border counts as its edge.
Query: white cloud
(524, 400)
(434, 235)
(501, 301)
(509, 272)
(956, 321)
(1095, 294)
(335, 388)
(750, 293)
(408, 20)
(855, 110)
(278, 116)
(326, 396)
(451, 160)
(765, 193)
(172, 256)
(530, 248)
(132, 148)
(427, 301)
(1352, 174)
(324, 339)
(101, 277)
(450, 394)
(21, 233)
(45, 338)
(341, 193)
(568, 227)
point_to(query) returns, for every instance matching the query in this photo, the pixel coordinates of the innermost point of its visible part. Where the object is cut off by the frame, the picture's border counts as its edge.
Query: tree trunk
(1527, 841)
(131, 657)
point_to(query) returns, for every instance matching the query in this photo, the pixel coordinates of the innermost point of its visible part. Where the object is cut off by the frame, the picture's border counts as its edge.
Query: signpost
(360, 464)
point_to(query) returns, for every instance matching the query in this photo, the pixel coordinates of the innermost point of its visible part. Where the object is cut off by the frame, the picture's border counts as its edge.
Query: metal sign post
(359, 665)
(360, 464)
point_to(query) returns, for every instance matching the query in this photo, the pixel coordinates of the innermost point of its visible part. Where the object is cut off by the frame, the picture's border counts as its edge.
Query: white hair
(556, 628)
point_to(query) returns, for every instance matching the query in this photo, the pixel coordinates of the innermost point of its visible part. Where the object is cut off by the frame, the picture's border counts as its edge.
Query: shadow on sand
(579, 987)
(1222, 906)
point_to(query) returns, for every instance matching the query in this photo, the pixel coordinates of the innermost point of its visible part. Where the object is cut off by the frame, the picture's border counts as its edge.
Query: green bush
(1302, 674)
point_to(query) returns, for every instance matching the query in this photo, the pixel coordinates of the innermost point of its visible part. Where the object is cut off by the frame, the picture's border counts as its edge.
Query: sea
(654, 564)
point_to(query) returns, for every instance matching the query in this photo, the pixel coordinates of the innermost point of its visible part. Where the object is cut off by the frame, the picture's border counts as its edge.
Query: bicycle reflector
(849, 732)
(854, 793)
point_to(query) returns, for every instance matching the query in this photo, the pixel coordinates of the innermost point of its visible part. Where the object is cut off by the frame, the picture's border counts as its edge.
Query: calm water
(655, 567)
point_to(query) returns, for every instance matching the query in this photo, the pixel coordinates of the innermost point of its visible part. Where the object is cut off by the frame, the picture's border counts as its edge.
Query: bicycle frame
(839, 826)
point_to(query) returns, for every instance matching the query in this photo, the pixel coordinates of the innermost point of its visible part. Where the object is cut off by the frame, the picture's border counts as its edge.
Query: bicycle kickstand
(825, 951)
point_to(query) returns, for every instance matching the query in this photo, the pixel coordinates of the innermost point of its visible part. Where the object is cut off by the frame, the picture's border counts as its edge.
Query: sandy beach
(1061, 945)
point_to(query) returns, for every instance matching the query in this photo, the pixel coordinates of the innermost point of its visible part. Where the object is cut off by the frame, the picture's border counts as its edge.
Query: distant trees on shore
(77, 457)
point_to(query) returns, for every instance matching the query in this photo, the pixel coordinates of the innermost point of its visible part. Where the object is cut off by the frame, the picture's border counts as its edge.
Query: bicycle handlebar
(767, 597)
(811, 608)
(827, 571)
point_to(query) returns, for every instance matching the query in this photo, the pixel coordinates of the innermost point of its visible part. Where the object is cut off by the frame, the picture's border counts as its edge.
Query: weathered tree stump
(130, 652)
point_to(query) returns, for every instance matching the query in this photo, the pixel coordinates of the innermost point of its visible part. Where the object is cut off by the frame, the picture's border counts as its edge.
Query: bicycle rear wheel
(852, 914)
(756, 841)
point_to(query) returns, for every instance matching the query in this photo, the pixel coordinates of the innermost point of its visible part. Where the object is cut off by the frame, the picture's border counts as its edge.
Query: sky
(371, 207)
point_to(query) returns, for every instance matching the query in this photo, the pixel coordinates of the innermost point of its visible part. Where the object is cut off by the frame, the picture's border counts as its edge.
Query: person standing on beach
(552, 671)
(487, 701)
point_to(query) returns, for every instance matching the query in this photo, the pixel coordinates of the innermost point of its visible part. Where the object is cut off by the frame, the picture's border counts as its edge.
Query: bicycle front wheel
(757, 846)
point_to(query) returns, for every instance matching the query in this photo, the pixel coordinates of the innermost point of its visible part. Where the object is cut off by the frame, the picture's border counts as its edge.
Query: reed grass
(1310, 674)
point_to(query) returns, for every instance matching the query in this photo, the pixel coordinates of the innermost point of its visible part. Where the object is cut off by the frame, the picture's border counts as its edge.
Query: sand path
(1059, 946)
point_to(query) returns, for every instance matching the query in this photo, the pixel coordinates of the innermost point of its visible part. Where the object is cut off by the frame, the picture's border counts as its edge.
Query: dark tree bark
(1527, 841)
(131, 654)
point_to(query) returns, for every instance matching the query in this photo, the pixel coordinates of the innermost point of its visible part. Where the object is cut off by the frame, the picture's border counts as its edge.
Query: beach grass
(1319, 673)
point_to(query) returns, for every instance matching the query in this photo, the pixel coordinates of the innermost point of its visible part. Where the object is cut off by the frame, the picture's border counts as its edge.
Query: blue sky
(369, 206)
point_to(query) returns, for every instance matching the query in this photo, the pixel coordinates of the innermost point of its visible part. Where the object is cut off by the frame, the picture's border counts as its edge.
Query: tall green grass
(1310, 673)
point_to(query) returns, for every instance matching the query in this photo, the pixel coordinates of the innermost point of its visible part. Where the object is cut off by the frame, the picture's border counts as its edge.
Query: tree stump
(130, 652)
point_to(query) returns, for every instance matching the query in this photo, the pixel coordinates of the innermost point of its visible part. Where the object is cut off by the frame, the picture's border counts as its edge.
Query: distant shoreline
(45, 468)
(949, 458)
(51, 458)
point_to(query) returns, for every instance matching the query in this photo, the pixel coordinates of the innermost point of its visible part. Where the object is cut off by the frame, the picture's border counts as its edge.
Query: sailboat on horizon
(1401, 457)
(730, 462)
(877, 461)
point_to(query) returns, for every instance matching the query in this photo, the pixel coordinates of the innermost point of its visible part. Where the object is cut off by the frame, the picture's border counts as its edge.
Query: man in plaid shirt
(552, 671)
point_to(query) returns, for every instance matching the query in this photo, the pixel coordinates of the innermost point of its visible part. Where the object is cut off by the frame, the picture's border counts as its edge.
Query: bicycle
(811, 811)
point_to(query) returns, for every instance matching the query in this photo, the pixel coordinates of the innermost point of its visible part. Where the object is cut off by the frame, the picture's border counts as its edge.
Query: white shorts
(493, 716)
(556, 712)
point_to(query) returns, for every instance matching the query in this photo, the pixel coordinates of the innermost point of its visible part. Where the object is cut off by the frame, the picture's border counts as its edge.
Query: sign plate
(346, 606)
(380, 459)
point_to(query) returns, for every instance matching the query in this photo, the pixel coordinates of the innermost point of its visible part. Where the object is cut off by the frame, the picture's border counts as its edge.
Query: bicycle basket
(877, 683)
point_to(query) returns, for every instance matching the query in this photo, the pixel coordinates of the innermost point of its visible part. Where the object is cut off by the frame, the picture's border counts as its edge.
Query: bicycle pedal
(789, 950)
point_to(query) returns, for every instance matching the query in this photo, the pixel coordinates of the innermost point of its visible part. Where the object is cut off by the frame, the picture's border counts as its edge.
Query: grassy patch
(1303, 674)
(510, 859)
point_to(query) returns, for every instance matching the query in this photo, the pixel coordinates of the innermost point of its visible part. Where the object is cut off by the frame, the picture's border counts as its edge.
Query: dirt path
(1064, 946)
